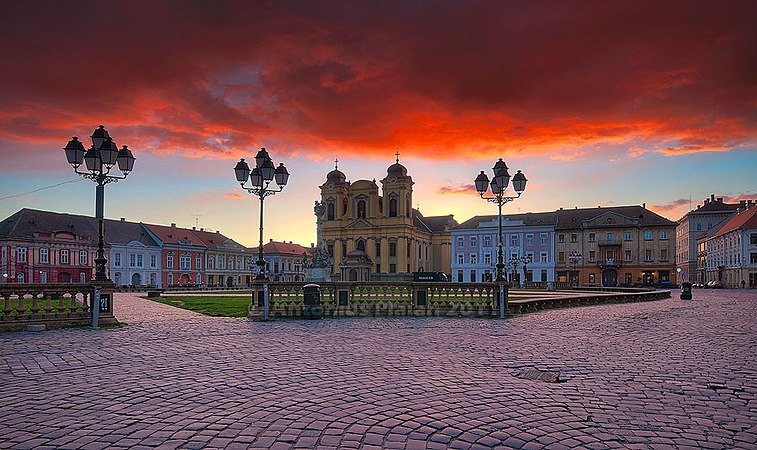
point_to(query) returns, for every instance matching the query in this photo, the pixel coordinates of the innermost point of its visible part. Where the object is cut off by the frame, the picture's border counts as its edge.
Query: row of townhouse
(48, 247)
(603, 246)
(727, 252)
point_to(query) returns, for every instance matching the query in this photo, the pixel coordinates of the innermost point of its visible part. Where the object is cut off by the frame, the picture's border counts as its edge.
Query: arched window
(361, 209)
(361, 244)
(392, 207)
(408, 209)
(330, 211)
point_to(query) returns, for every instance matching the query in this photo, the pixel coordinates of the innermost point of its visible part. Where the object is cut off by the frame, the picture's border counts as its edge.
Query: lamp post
(498, 185)
(98, 161)
(516, 262)
(260, 184)
(574, 259)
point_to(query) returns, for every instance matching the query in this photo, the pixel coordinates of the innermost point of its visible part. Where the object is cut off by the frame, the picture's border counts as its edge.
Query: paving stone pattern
(662, 374)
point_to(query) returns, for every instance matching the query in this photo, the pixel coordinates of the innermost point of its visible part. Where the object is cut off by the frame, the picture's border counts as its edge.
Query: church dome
(336, 176)
(397, 169)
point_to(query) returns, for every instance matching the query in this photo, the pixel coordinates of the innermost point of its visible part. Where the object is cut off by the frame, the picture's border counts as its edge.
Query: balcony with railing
(609, 263)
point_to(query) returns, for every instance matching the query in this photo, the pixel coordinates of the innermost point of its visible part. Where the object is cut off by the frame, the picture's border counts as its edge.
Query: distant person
(743, 284)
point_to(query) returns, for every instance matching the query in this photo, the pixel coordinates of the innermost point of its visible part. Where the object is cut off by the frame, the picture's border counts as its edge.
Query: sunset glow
(599, 103)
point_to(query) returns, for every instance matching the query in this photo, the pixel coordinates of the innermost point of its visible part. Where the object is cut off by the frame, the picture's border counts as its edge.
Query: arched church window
(361, 209)
(330, 211)
(392, 207)
(361, 245)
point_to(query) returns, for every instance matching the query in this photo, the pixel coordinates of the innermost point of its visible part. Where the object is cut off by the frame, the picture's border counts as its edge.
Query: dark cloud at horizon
(213, 78)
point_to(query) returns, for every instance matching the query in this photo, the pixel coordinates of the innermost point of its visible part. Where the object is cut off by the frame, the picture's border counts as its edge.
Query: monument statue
(318, 268)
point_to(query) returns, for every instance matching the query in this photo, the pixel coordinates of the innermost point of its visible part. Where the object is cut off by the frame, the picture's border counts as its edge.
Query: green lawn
(210, 306)
(40, 305)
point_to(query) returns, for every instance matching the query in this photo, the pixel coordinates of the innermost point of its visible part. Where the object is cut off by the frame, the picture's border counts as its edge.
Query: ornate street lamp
(98, 162)
(574, 259)
(516, 262)
(498, 186)
(260, 179)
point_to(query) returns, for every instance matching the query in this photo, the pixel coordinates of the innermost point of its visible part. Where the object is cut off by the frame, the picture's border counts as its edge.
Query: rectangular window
(648, 255)
(561, 256)
(378, 267)
(117, 259)
(4, 256)
(487, 258)
(592, 256)
(169, 263)
(198, 262)
(153, 261)
(543, 275)
(592, 278)
(460, 241)
(529, 239)
(21, 254)
(574, 237)
(472, 276)
(627, 236)
(753, 258)
(544, 239)
(513, 240)
(629, 278)
(170, 279)
(664, 254)
(44, 255)
(330, 248)
(185, 261)
(529, 257)
(543, 258)
(344, 249)
(221, 262)
(392, 268)
(64, 256)
(609, 237)
(627, 255)
(82, 257)
(753, 239)
(132, 260)
(460, 258)
(474, 241)
(663, 235)
(560, 238)
(459, 276)
(43, 277)
(592, 237)
(392, 249)
(378, 249)
(140, 260)
(487, 241)
(647, 235)
(473, 258)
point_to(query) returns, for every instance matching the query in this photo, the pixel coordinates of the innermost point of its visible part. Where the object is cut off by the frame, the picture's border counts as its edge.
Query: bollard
(312, 308)
(686, 291)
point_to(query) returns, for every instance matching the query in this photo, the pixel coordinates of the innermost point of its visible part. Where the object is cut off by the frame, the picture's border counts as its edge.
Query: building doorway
(136, 280)
(229, 282)
(609, 278)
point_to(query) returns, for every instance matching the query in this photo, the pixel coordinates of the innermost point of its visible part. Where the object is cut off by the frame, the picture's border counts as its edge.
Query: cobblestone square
(669, 373)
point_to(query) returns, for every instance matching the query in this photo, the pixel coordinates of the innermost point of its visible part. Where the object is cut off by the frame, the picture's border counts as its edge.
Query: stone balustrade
(52, 305)
(346, 299)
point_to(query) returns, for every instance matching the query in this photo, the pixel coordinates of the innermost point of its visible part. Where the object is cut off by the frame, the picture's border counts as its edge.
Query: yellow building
(379, 236)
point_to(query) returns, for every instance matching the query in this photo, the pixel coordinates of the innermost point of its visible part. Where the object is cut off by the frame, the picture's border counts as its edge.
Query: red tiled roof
(286, 248)
(172, 235)
(746, 219)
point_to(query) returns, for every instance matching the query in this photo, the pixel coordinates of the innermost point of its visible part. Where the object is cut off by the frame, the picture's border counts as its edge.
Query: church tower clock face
(330, 185)
(393, 180)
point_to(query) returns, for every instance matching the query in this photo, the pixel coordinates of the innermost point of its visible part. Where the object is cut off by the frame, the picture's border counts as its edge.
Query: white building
(730, 254)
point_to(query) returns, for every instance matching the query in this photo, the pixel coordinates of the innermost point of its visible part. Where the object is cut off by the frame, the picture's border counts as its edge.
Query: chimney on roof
(720, 199)
(312, 245)
(202, 229)
(270, 240)
(218, 231)
(749, 203)
(712, 197)
(123, 219)
(644, 205)
(173, 225)
(194, 229)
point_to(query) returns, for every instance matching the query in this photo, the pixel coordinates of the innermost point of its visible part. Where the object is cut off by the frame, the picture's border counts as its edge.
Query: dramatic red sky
(596, 100)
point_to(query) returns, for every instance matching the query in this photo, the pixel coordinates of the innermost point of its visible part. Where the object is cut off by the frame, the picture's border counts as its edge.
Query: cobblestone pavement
(670, 373)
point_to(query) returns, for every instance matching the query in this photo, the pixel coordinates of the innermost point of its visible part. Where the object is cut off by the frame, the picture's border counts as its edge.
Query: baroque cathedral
(378, 236)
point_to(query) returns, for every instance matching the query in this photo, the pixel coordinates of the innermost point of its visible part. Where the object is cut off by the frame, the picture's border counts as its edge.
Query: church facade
(376, 234)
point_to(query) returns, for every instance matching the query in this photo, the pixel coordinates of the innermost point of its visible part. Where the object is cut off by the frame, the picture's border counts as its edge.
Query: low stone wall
(350, 299)
(52, 305)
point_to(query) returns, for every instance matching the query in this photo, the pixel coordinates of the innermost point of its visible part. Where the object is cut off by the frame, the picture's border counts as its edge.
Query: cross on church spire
(398, 156)
(336, 163)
